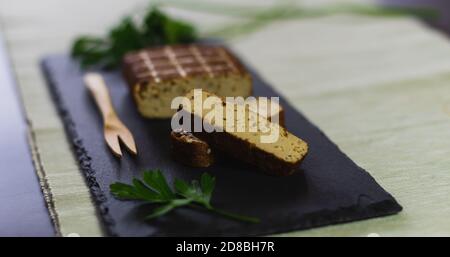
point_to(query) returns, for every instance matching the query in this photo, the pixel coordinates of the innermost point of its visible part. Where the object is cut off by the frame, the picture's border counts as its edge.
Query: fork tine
(127, 139)
(112, 140)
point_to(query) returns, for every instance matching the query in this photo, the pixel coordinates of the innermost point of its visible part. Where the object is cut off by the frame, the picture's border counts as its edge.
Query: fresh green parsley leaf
(155, 189)
(198, 193)
(156, 28)
(166, 208)
(207, 183)
(157, 181)
(125, 192)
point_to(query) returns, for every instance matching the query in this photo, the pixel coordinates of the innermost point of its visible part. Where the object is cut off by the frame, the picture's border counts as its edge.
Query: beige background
(377, 86)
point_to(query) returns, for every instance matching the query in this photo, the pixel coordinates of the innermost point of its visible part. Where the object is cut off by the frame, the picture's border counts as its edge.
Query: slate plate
(330, 188)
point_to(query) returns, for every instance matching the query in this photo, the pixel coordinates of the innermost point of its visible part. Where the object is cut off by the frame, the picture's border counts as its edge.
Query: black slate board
(330, 188)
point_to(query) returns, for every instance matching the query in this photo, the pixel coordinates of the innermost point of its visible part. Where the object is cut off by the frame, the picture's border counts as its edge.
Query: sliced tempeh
(157, 75)
(192, 151)
(279, 157)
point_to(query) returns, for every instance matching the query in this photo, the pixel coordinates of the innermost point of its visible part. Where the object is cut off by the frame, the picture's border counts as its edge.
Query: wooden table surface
(23, 211)
(377, 86)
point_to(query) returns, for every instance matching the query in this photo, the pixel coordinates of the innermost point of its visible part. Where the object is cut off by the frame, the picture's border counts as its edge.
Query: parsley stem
(227, 214)
(236, 216)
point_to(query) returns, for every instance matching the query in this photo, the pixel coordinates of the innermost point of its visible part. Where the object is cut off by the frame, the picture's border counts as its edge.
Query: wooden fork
(114, 129)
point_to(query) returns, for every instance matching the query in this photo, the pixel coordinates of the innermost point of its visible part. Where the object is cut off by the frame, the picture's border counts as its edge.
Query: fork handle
(96, 85)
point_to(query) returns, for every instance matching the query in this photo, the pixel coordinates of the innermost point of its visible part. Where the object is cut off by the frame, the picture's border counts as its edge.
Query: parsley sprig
(153, 188)
(156, 28)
